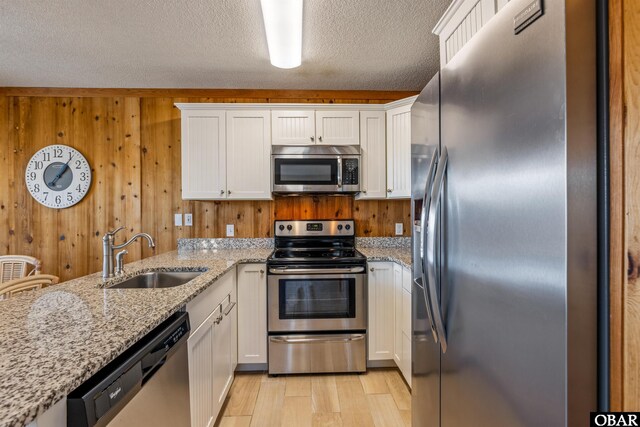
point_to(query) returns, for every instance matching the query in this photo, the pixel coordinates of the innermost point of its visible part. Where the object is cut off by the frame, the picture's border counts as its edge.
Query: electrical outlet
(230, 230)
(188, 220)
(177, 220)
(399, 229)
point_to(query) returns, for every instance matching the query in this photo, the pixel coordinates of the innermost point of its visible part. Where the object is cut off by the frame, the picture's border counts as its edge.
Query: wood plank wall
(624, 66)
(131, 138)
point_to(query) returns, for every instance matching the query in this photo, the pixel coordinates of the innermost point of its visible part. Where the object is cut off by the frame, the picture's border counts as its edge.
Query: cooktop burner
(319, 242)
(315, 253)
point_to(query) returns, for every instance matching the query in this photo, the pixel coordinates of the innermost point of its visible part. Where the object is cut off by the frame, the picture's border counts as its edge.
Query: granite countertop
(53, 340)
(400, 255)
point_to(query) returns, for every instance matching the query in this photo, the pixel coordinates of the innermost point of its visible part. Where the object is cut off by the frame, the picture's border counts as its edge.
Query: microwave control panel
(350, 172)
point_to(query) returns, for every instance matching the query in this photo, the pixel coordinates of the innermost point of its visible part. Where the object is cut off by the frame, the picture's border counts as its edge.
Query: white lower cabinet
(381, 311)
(200, 350)
(252, 313)
(389, 329)
(211, 349)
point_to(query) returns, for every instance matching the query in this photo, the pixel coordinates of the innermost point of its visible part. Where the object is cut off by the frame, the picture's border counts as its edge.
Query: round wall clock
(58, 176)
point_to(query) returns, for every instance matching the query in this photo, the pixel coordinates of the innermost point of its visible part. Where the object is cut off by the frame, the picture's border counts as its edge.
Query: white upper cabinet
(293, 127)
(337, 127)
(310, 127)
(248, 154)
(373, 148)
(399, 152)
(461, 21)
(203, 154)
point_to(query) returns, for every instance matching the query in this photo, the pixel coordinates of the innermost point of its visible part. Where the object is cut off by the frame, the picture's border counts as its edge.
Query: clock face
(58, 176)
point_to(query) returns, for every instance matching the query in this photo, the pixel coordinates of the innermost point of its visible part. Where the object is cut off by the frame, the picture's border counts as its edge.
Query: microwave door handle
(339, 172)
(432, 274)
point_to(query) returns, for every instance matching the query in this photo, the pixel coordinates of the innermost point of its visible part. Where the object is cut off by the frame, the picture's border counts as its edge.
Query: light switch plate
(230, 230)
(399, 229)
(188, 220)
(177, 220)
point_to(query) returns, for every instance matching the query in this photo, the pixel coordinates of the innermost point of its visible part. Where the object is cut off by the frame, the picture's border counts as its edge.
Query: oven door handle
(316, 270)
(358, 337)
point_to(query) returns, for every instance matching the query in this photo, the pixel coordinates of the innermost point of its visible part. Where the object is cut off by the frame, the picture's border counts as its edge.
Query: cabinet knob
(222, 192)
(228, 191)
(371, 269)
(364, 191)
(389, 190)
(261, 271)
(312, 139)
(320, 138)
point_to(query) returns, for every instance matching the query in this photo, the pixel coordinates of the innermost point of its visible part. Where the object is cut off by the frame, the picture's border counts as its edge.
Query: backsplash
(383, 242)
(228, 243)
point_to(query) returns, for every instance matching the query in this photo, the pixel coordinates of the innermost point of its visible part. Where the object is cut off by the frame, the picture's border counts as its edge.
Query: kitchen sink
(157, 279)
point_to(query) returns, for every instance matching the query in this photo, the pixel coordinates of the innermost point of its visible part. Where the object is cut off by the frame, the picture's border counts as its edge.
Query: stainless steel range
(317, 312)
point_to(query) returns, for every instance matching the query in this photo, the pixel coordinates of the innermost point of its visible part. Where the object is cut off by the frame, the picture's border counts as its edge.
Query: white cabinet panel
(337, 127)
(252, 313)
(373, 148)
(381, 311)
(293, 127)
(397, 316)
(222, 373)
(203, 154)
(200, 351)
(399, 152)
(248, 154)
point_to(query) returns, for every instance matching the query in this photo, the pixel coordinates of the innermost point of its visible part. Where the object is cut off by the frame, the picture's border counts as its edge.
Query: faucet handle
(112, 233)
(120, 261)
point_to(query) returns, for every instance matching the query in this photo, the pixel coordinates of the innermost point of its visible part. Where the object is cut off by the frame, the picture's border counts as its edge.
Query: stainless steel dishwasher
(148, 385)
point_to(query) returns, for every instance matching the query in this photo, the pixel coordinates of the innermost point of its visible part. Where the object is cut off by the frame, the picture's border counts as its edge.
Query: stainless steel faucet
(108, 269)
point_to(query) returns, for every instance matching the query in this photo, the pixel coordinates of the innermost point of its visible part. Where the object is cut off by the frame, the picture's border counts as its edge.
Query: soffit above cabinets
(183, 106)
(364, 44)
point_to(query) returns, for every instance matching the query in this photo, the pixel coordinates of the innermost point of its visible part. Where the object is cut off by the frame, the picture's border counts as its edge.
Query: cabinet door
(397, 299)
(248, 155)
(381, 311)
(374, 155)
(399, 152)
(200, 351)
(203, 154)
(222, 364)
(293, 127)
(338, 127)
(252, 313)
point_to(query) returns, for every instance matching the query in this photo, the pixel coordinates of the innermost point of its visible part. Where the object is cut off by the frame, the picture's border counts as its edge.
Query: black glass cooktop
(316, 254)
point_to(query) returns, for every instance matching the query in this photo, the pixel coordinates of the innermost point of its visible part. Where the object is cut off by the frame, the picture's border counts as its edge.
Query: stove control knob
(347, 227)
(281, 227)
(289, 227)
(339, 227)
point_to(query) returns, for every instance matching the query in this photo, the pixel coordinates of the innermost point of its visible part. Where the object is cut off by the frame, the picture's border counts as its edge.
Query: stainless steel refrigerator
(504, 205)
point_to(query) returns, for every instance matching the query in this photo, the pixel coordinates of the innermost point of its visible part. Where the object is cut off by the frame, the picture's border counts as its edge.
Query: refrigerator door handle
(432, 274)
(426, 201)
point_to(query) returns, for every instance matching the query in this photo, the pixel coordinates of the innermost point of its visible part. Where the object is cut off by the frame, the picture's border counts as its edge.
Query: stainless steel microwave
(315, 169)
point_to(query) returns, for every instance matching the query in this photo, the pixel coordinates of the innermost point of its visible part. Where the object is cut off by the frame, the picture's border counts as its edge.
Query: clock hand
(64, 169)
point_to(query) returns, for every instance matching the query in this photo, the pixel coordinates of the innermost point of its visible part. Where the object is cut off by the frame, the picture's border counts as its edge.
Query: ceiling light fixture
(283, 23)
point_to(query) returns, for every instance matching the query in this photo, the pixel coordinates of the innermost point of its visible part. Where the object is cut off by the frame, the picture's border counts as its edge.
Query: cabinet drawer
(201, 306)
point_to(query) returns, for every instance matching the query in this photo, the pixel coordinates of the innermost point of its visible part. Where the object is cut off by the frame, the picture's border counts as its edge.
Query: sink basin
(157, 279)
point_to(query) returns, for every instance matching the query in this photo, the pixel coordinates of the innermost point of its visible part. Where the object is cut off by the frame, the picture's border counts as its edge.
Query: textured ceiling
(347, 44)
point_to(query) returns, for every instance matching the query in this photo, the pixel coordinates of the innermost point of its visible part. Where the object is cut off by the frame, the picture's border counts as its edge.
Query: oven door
(300, 173)
(304, 300)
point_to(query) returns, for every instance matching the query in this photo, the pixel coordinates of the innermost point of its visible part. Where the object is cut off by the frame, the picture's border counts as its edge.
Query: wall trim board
(327, 95)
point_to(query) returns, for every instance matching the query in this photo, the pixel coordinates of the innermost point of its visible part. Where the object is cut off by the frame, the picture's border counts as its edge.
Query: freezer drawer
(318, 353)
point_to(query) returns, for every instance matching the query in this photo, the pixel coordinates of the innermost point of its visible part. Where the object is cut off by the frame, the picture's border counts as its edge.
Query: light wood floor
(378, 398)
